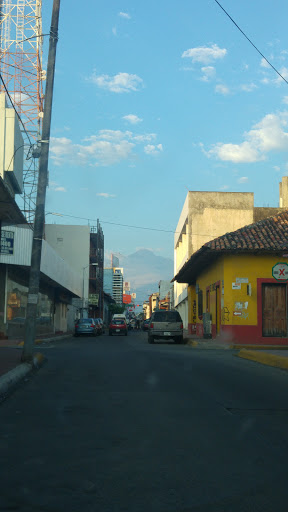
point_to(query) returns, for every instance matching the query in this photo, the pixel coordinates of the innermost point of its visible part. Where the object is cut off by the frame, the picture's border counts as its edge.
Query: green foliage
(116, 309)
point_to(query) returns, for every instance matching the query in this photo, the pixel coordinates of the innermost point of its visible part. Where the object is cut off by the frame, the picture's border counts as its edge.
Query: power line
(112, 223)
(7, 92)
(268, 62)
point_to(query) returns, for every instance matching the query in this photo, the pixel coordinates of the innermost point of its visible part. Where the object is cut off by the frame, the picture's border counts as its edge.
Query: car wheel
(126, 333)
(76, 335)
(150, 339)
(110, 333)
(179, 340)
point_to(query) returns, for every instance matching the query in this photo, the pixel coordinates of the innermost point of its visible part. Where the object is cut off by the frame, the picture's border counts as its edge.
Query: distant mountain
(144, 270)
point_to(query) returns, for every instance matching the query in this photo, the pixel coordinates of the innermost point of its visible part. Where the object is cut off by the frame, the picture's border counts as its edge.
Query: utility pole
(31, 314)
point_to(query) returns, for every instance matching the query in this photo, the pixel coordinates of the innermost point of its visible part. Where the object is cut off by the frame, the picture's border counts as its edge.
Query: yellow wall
(230, 269)
(209, 277)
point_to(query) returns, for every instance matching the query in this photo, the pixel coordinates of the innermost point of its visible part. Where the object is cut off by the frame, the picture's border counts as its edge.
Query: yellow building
(238, 284)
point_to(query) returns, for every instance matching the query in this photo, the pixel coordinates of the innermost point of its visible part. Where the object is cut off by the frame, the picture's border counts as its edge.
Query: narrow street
(114, 424)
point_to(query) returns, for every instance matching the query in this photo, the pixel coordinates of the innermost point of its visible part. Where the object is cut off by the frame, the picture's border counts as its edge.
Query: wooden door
(274, 310)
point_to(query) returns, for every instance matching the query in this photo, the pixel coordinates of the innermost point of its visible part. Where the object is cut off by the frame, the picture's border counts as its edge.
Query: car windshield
(167, 316)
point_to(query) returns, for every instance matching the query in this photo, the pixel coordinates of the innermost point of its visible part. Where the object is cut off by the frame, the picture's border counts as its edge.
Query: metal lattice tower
(21, 70)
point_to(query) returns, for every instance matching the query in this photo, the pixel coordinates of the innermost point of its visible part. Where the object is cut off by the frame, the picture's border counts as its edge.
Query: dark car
(86, 326)
(165, 325)
(145, 325)
(118, 326)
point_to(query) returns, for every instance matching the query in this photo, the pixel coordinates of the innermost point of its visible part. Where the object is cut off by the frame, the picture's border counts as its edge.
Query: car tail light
(152, 325)
(181, 326)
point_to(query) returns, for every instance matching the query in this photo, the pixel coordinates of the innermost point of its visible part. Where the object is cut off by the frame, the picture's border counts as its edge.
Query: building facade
(83, 248)
(59, 284)
(239, 284)
(205, 216)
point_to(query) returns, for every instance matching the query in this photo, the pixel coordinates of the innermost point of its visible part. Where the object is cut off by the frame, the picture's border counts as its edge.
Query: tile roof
(269, 234)
(266, 236)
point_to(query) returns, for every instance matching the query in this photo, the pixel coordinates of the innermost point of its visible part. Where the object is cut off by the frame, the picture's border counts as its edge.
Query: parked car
(167, 325)
(101, 325)
(86, 326)
(145, 325)
(118, 326)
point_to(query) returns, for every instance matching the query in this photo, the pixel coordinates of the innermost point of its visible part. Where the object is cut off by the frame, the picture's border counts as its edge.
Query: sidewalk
(12, 370)
(270, 355)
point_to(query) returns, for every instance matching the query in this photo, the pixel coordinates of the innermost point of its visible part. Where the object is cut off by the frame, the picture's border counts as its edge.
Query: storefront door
(274, 310)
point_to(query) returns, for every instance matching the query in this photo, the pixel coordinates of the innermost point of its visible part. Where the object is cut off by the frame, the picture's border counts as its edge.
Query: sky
(152, 99)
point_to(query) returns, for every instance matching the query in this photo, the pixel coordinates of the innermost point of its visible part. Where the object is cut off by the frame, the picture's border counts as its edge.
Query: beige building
(205, 216)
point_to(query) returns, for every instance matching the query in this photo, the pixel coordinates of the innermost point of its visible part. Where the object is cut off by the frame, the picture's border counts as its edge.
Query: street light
(84, 268)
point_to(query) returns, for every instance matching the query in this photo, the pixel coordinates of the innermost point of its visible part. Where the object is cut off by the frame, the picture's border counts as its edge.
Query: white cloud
(133, 119)
(285, 100)
(122, 82)
(224, 187)
(108, 147)
(105, 194)
(278, 80)
(114, 31)
(264, 63)
(150, 149)
(243, 179)
(53, 186)
(248, 87)
(124, 15)
(222, 89)
(277, 168)
(266, 136)
(205, 54)
(208, 73)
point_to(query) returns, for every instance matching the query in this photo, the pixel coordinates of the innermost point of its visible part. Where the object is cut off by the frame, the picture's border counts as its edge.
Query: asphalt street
(114, 424)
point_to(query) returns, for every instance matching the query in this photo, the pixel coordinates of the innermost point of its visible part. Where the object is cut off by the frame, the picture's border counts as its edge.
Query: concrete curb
(45, 340)
(9, 379)
(264, 358)
(259, 347)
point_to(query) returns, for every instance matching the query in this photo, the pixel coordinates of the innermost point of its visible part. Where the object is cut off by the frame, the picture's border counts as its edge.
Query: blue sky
(153, 99)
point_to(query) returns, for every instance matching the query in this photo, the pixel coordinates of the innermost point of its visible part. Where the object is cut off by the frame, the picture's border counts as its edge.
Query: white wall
(52, 265)
(72, 243)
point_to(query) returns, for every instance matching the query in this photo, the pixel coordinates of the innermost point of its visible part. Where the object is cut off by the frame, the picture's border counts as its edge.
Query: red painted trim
(248, 334)
(192, 328)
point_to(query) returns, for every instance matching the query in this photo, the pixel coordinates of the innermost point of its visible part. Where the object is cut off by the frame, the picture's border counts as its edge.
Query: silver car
(167, 325)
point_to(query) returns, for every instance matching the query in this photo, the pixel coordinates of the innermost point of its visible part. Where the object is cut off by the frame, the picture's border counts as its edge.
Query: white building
(59, 283)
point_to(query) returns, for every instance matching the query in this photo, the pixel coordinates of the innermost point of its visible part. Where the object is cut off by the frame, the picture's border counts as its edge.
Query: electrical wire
(57, 214)
(12, 103)
(268, 62)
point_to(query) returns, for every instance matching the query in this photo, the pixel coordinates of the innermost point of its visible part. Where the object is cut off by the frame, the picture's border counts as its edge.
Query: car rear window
(167, 316)
(118, 322)
(85, 321)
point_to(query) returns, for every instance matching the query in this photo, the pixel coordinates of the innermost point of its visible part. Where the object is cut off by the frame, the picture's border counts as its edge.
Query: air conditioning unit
(207, 325)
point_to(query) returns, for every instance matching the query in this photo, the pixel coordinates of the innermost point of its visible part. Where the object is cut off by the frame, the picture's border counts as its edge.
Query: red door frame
(261, 281)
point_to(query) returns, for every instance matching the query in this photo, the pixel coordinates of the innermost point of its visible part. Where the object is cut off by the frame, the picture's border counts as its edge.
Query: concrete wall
(212, 214)
(72, 243)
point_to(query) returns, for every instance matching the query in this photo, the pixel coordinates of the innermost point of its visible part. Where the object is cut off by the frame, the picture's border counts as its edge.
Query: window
(167, 316)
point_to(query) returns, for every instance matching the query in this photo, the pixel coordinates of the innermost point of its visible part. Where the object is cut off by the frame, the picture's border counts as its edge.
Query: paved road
(115, 424)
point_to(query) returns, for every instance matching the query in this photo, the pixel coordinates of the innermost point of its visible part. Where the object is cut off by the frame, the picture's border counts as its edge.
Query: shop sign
(236, 286)
(94, 299)
(243, 280)
(7, 242)
(280, 271)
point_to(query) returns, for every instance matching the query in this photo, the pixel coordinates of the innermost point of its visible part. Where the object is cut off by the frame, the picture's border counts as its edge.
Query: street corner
(191, 343)
(264, 358)
(38, 360)
(11, 378)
